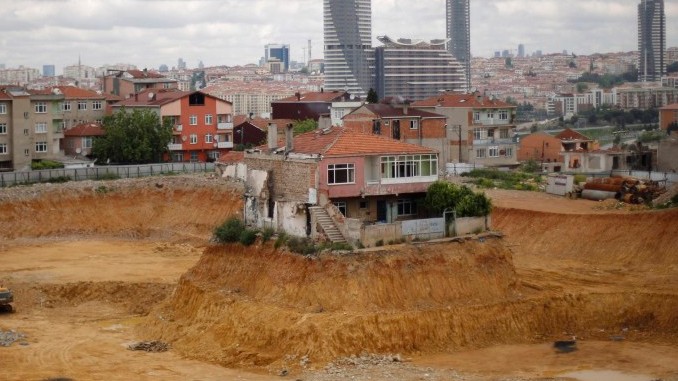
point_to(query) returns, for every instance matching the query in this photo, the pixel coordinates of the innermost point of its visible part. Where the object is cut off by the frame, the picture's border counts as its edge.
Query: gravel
(7, 338)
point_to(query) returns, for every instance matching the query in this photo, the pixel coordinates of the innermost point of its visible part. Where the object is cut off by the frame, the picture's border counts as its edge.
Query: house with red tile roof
(126, 83)
(78, 141)
(311, 105)
(318, 182)
(481, 129)
(203, 124)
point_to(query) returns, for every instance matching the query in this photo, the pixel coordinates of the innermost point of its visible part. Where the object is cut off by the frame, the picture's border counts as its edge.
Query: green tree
(442, 196)
(582, 87)
(672, 68)
(673, 126)
(534, 128)
(372, 96)
(135, 137)
(303, 126)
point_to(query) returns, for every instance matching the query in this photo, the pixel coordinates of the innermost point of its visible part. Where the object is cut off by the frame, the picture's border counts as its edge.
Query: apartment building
(129, 82)
(480, 129)
(19, 77)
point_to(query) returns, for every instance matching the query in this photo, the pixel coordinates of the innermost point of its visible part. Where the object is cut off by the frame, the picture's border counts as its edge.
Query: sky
(148, 33)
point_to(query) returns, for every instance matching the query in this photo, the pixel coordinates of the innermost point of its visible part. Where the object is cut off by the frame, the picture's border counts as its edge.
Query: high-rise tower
(459, 33)
(348, 45)
(651, 40)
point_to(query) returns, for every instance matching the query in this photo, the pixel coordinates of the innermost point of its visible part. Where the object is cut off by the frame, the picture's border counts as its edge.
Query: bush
(267, 233)
(230, 231)
(281, 240)
(379, 243)
(579, 179)
(59, 179)
(248, 237)
(46, 164)
(303, 246)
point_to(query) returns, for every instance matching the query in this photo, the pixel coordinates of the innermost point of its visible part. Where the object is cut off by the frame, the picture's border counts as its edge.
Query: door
(381, 211)
(396, 129)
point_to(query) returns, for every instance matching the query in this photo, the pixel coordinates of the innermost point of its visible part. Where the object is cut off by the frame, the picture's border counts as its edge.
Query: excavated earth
(96, 266)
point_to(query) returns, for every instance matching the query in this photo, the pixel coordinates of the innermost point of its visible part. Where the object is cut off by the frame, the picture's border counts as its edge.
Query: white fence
(103, 172)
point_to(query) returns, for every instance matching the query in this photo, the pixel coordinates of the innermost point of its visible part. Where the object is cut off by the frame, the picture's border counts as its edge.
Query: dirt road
(85, 285)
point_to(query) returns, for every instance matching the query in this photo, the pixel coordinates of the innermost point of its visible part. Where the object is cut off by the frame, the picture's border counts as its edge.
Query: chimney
(289, 138)
(298, 95)
(136, 97)
(272, 136)
(406, 107)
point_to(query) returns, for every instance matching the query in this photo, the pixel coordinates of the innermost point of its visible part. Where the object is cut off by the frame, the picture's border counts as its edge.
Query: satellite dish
(183, 138)
(78, 150)
(151, 95)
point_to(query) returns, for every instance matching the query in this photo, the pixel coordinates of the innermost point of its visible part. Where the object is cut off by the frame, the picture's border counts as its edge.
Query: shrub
(46, 164)
(248, 237)
(281, 240)
(59, 179)
(379, 243)
(229, 231)
(579, 179)
(102, 189)
(303, 246)
(267, 233)
(341, 246)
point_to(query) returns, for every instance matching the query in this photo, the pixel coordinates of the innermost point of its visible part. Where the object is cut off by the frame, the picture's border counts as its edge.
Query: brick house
(203, 124)
(126, 83)
(402, 123)
(667, 115)
(481, 129)
(311, 105)
(336, 174)
(77, 141)
(540, 147)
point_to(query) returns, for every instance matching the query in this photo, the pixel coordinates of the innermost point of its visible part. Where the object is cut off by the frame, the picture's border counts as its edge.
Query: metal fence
(668, 178)
(99, 173)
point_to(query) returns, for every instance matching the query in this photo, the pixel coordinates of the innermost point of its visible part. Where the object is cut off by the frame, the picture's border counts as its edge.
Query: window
(26, 152)
(194, 138)
(341, 174)
(363, 204)
(96, 105)
(208, 119)
(393, 167)
(479, 134)
(214, 155)
(82, 105)
(3, 128)
(406, 208)
(66, 106)
(224, 118)
(490, 114)
(40, 107)
(341, 205)
(508, 152)
(178, 157)
(26, 131)
(3, 108)
(480, 153)
(3, 149)
(376, 127)
(476, 116)
(40, 146)
(503, 114)
(41, 128)
(87, 142)
(493, 152)
(208, 138)
(504, 133)
(194, 156)
(414, 124)
(193, 120)
(196, 99)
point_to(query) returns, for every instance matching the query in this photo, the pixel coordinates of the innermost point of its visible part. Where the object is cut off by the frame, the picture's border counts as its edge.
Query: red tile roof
(159, 98)
(338, 141)
(673, 106)
(387, 111)
(324, 96)
(462, 101)
(261, 123)
(139, 74)
(72, 92)
(85, 129)
(570, 134)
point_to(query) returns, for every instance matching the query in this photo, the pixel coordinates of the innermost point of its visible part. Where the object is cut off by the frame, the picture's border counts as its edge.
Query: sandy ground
(86, 339)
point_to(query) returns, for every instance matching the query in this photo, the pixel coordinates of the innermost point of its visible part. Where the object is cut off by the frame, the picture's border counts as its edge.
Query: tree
(582, 87)
(303, 126)
(534, 128)
(672, 68)
(372, 96)
(442, 196)
(673, 126)
(135, 137)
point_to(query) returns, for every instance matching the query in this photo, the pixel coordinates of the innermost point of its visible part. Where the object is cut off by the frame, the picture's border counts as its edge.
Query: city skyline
(151, 33)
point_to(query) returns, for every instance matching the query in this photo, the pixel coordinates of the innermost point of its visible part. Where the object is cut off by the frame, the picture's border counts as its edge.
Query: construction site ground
(96, 266)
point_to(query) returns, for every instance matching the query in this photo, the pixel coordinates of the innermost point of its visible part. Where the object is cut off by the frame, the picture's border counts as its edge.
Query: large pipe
(597, 195)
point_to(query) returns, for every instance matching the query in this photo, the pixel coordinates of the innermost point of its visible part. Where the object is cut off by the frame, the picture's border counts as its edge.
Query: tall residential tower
(348, 45)
(651, 40)
(459, 33)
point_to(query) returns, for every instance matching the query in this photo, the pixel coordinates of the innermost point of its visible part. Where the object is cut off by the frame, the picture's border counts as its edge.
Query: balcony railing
(491, 122)
(175, 146)
(489, 142)
(225, 126)
(225, 145)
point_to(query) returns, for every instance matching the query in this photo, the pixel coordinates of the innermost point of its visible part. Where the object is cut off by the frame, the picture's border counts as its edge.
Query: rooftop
(474, 100)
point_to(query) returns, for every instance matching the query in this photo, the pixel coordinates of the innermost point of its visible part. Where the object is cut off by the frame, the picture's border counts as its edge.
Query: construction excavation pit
(119, 280)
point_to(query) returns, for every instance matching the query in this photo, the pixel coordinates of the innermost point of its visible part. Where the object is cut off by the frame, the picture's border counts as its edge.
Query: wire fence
(101, 173)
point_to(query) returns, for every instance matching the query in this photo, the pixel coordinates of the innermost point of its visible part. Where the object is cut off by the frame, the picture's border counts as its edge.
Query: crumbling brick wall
(290, 179)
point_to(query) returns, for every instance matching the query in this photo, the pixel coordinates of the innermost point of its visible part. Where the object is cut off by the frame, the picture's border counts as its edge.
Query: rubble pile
(149, 346)
(7, 338)
(627, 189)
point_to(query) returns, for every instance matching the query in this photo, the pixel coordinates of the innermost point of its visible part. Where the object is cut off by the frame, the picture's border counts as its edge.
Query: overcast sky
(148, 33)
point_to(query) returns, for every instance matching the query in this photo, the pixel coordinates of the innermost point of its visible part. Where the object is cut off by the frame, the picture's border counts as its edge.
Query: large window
(194, 138)
(40, 146)
(479, 134)
(208, 138)
(3, 148)
(41, 128)
(503, 114)
(481, 153)
(406, 207)
(40, 107)
(341, 174)
(504, 133)
(508, 151)
(193, 120)
(96, 105)
(393, 167)
(208, 119)
(3, 108)
(87, 142)
(3, 128)
(82, 105)
(66, 106)
(493, 151)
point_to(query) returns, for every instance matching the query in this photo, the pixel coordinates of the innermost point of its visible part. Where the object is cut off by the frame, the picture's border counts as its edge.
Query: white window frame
(508, 151)
(193, 139)
(82, 105)
(208, 119)
(208, 138)
(3, 149)
(503, 114)
(342, 206)
(3, 108)
(40, 147)
(490, 114)
(414, 124)
(476, 116)
(65, 106)
(96, 105)
(40, 107)
(193, 120)
(406, 207)
(408, 166)
(41, 128)
(493, 151)
(347, 168)
(481, 153)
(87, 142)
(3, 128)
(479, 134)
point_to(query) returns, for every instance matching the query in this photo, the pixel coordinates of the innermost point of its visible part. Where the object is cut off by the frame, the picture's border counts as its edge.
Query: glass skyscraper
(459, 34)
(651, 40)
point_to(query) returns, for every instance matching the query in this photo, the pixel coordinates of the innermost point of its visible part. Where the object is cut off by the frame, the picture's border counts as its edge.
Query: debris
(626, 189)
(565, 346)
(8, 338)
(149, 346)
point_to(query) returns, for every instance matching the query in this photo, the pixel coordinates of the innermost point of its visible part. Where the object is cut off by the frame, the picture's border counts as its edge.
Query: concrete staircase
(328, 225)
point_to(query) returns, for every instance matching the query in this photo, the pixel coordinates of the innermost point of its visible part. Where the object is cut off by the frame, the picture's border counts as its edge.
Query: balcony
(491, 122)
(490, 142)
(178, 127)
(175, 146)
(225, 126)
(225, 145)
